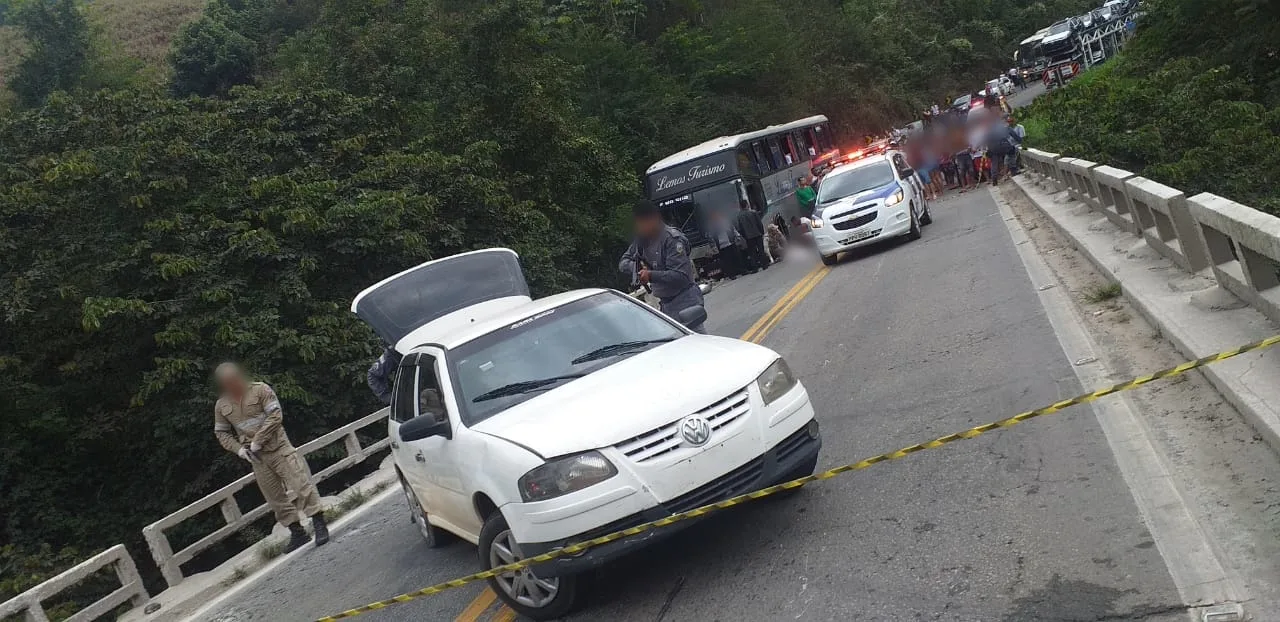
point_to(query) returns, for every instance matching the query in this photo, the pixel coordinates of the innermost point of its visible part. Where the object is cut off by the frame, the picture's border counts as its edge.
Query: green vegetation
(306, 148)
(1103, 293)
(1192, 102)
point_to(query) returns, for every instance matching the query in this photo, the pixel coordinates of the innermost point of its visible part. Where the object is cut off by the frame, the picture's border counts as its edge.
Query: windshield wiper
(616, 349)
(527, 386)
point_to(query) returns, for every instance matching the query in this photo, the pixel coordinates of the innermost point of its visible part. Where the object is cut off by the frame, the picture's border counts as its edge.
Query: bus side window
(762, 160)
(824, 140)
(789, 152)
(802, 148)
(775, 153)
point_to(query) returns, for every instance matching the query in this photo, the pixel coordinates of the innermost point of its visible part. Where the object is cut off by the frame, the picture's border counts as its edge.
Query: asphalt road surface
(899, 344)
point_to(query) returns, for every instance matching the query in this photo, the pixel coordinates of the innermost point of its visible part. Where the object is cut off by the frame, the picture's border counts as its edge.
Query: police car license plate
(861, 235)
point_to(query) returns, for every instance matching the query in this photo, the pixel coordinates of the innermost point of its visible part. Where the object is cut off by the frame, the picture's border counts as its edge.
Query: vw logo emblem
(695, 431)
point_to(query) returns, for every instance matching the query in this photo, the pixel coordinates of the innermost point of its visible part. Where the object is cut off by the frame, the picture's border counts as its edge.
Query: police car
(866, 201)
(524, 425)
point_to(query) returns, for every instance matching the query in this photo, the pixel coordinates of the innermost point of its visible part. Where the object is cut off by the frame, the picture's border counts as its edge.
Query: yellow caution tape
(795, 483)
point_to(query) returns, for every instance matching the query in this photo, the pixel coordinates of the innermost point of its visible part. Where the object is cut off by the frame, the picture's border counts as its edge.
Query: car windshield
(840, 184)
(1060, 27)
(963, 100)
(537, 354)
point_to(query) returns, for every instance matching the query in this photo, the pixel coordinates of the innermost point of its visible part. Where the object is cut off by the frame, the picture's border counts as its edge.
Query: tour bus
(759, 167)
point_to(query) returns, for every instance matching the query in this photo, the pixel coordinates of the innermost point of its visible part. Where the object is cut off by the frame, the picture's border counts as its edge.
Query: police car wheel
(926, 218)
(539, 598)
(432, 535)
(830, 260)
(914, 232)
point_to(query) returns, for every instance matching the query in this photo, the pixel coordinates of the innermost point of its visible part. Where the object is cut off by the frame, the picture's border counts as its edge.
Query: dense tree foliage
(319, 145)
(1193, 102)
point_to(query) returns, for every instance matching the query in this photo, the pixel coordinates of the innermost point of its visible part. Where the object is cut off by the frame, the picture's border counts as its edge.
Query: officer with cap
(248, 422)
(659, 259)
(382, 372)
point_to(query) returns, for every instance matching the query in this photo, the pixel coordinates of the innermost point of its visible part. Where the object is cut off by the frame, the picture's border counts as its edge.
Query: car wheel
(914, 232)
(434, 536)
(830, 260)
(523, 590)
(926, 218)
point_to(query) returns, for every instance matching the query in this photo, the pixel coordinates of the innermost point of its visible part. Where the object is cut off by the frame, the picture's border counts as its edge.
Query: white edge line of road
(1190, 556)
(249, 581)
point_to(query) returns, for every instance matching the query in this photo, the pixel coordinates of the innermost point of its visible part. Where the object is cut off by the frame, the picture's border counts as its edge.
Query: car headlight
(816, 223)
(896, 198)
(775, 381)
(564, 475)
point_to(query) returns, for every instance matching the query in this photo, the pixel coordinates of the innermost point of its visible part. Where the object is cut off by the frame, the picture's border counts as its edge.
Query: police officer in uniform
(659, 258)
(381, 374)
(248, 422)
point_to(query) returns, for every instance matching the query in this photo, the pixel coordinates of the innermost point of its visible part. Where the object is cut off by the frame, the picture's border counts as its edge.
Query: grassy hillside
(137, 29)
(143, 29)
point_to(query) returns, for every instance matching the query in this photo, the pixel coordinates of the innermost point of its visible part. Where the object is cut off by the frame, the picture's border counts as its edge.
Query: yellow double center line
(755, 334)
(789, 300)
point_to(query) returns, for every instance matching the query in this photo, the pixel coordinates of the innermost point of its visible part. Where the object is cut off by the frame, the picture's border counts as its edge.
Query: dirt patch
(1229, 477)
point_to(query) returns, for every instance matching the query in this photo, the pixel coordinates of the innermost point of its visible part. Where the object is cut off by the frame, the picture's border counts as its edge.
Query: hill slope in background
(138, 29)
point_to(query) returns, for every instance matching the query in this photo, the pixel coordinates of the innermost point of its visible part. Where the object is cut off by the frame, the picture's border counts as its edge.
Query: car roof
(861, 162)
(453, 336)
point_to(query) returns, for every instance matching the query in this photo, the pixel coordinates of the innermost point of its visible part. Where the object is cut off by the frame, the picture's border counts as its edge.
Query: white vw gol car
(867, 201)
(524, 425)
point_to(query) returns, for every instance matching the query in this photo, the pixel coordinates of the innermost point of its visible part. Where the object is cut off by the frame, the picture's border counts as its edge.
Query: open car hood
(487, 280)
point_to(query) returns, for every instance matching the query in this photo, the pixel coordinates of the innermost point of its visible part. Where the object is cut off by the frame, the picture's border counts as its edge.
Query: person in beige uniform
(248, 422)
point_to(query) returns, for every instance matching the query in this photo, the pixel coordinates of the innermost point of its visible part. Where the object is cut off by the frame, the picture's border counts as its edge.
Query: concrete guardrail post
(1243, 247)
(131, 590)
(1079, 181)
(1109, 189)
(1166, 222)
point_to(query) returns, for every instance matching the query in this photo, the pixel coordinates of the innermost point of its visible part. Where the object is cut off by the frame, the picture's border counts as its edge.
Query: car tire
(914, 232)
(830, 260)
(926, 218)
(432, 535)
(523, 591)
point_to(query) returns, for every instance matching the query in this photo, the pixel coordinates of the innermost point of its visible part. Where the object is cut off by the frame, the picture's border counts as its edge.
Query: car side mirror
(692, 316)
(424, 426)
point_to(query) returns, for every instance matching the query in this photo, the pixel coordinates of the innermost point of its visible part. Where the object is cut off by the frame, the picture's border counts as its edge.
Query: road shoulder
(1188, 447)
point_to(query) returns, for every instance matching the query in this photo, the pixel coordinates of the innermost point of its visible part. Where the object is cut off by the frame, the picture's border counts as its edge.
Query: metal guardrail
(131, 589)
(1236, 245)
(235, 519)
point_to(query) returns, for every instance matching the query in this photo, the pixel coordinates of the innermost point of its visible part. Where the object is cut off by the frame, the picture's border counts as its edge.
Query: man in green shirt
(807, 196)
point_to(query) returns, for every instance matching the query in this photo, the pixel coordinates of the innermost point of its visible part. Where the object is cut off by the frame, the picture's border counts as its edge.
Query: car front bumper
(890, 222)
(793, 457)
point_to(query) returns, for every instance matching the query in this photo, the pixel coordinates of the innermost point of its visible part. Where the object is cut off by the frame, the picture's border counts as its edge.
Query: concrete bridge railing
(170, 563)
(1236, 245)
(234, 517)
(29, 603)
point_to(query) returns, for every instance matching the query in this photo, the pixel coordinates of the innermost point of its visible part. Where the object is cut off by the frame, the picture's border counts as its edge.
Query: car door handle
(419, 457)
(395, 445)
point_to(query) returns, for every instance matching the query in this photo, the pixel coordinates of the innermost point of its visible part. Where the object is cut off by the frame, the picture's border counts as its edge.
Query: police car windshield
(551, 345)
(848, 182)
